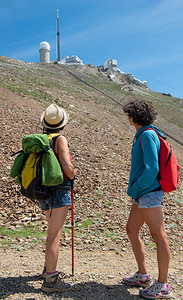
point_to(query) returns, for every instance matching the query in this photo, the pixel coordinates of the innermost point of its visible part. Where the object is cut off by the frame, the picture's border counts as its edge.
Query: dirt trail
(97, 274)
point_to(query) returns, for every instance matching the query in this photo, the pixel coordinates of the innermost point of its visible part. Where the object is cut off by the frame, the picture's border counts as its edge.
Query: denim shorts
(149, 200)
(60, 199)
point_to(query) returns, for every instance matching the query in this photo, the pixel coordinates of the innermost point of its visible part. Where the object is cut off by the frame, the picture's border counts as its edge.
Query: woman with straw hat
(56, 208)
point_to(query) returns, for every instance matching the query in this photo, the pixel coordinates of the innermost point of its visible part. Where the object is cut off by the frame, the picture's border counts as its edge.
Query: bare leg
(55, 224)
(154, 219)
(135, 222)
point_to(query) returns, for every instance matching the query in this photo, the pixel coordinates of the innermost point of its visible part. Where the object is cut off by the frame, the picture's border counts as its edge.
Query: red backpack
(168, 166)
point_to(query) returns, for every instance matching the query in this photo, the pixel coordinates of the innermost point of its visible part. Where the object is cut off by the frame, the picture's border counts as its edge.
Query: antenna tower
(58, 38)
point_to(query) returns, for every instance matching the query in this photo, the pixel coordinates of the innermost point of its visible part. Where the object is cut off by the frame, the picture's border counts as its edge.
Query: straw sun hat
(54, 117)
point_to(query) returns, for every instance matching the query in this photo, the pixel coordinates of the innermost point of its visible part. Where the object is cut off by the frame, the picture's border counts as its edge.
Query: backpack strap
(146, 130)
(158, 176)
(53, 141)
(15, 153)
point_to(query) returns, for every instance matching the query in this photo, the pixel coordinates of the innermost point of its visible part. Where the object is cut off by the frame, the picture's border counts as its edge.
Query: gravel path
(97, 274)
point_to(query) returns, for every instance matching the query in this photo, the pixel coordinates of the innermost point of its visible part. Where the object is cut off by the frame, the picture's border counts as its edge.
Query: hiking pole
(72, 224)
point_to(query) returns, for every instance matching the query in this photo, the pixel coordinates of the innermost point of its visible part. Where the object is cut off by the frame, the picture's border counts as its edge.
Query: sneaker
(156, 291)
(43, 275)
(53, 283)
(138, 280)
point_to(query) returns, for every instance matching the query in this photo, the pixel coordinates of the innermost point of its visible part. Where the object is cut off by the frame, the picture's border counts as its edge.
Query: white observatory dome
(44, 51)
(44, 45)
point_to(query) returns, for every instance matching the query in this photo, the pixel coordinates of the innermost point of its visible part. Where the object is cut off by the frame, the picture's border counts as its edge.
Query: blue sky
(144, 36)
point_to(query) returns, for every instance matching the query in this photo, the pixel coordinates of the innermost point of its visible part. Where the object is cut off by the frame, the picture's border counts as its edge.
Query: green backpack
(36, 167)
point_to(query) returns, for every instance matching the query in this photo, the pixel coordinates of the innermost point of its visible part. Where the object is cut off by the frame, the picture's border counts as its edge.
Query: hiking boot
(156, 291)
(138, 280)
(43, 275)
(53, 283)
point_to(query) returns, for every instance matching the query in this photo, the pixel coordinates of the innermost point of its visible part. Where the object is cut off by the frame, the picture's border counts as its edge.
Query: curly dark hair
(141, 111)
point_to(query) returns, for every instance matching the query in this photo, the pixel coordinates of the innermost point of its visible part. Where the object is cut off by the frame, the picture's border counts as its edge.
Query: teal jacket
(51, 169)
(144, 162)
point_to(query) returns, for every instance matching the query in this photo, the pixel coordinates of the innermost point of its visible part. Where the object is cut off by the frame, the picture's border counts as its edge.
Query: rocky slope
(100, 141)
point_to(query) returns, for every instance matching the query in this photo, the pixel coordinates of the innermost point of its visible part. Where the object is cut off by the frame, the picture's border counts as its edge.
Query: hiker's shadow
(20, 285)
(98, 291)
(80, 291)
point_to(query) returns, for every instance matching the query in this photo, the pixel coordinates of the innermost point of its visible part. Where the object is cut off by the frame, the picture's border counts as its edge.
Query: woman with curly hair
(147, 196)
